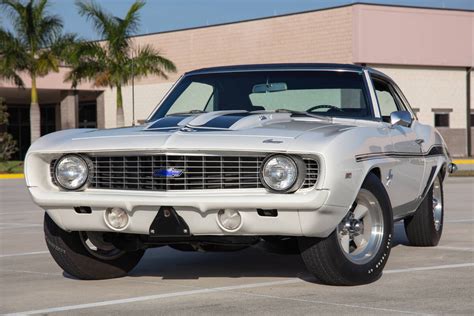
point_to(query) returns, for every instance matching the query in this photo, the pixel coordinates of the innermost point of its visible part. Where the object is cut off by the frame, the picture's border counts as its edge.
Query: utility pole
(468, 111)
(133, 90)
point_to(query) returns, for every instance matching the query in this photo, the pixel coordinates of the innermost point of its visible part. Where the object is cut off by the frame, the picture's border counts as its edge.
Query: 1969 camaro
(318, 159)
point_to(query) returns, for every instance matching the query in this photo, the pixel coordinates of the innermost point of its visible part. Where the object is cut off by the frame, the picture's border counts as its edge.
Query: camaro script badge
(272, 141)
(167, 173)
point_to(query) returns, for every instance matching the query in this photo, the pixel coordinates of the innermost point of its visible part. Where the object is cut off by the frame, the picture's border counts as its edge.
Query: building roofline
(297, 13)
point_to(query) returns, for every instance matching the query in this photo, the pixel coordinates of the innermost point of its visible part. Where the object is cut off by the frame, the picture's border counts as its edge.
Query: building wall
(431, 88)
(408, 36)
(147, 96)
(321, 36)
(428, 88)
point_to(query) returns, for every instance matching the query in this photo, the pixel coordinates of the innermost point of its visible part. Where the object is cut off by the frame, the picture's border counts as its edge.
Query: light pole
(133, 90)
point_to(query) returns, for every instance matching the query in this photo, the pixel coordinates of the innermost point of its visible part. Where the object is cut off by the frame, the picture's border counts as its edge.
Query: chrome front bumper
(299, 214)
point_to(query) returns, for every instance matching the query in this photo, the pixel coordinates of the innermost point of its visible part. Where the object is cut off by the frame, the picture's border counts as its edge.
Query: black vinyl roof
(289, 66)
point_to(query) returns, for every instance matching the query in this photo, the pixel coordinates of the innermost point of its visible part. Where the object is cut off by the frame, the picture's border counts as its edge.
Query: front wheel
(86, 255)
(356, 252)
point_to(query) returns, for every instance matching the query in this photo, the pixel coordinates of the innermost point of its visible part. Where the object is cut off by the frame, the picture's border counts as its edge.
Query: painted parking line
(455, 248)
(24, 254)
(446, 266)
(460, 221)
(2, 227)
(9, 224)
(352, 306)
(229, 288)
(20, 212)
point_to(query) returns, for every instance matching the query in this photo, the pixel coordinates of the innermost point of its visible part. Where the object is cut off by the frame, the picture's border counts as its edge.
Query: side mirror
(401, 118)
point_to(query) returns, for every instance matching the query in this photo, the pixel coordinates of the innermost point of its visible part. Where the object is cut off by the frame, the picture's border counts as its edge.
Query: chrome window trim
(199, 72)
(373, 97)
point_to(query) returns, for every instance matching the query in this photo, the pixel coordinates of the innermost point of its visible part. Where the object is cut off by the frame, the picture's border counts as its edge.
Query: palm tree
(114, 62)
(33, 48)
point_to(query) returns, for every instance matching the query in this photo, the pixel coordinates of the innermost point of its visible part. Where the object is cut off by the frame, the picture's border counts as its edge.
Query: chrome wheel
(360, 233)
(437, 204)
(96, 246)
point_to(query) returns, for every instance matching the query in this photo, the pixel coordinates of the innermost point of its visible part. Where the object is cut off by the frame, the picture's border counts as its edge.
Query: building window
(441, 119)
(472, 119)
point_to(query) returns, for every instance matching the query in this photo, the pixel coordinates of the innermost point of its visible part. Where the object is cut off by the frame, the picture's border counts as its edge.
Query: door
(403, 181)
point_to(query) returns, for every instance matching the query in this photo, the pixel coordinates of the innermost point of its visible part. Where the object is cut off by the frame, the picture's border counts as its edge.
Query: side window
(388, 102)
(197, 96)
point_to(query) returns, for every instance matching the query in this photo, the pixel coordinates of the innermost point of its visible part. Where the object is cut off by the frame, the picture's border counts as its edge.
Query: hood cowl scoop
(219, 120)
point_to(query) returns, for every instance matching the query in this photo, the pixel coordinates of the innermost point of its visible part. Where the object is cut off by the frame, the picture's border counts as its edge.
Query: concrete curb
(464, 161)
(11, 176)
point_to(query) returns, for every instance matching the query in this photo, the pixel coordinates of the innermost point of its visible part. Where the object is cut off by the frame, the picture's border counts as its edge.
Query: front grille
(199, 172)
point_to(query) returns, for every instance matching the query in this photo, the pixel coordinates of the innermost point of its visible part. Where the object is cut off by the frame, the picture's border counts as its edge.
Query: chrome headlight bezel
(295, 184)
(80, 159)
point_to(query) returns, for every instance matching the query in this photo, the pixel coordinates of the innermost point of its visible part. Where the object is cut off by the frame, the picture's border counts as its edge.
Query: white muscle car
(315, 158)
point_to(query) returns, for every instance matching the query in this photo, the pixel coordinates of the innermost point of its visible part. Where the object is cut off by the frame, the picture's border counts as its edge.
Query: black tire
(70, 253)
(325, 259)
(420, 228)
(281, 245)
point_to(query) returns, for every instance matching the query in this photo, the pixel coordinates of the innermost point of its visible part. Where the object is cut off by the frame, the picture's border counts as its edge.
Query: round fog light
(116, 218)
(229, 219)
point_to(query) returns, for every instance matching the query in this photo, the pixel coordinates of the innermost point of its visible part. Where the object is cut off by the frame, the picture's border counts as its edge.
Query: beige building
(428, 52)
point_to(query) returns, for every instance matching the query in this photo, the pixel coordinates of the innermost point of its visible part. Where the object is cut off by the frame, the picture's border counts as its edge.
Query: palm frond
(148, 61)
(47, 61)
(130, 24)
(13, 58)
(102, 21)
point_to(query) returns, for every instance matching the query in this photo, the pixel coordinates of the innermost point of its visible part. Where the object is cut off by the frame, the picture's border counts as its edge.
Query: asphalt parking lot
(416, 280)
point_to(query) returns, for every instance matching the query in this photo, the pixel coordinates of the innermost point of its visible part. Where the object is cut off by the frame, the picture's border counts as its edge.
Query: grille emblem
(168, 173)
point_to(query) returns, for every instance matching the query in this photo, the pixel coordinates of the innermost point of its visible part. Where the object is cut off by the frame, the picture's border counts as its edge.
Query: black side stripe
(436, 150)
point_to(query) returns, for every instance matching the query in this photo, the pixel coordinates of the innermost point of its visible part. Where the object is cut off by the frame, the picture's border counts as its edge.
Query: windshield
(328, 93)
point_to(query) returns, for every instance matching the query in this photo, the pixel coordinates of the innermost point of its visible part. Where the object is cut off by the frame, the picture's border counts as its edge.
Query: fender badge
(272, 141)
(186, 129)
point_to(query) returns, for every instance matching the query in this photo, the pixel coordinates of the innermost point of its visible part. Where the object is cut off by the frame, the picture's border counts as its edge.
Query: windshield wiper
(321, 117)
(188, 112)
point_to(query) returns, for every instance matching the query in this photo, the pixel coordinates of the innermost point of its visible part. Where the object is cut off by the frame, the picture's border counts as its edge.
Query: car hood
(222, 131)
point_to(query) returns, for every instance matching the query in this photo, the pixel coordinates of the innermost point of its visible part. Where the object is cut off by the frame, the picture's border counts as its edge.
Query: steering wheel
(324, 106)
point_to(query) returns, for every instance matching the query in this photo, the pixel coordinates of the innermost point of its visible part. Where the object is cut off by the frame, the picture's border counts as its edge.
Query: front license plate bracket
(168, 223)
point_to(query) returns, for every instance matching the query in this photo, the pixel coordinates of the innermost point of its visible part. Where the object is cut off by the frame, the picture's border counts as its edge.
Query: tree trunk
(120, 114)
(35, 115)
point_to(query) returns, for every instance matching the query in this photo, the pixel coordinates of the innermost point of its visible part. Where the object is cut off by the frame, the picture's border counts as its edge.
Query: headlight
(71, 172)
(280, 173)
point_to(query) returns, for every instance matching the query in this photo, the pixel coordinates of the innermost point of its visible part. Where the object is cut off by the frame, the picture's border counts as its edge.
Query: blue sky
(164, 15)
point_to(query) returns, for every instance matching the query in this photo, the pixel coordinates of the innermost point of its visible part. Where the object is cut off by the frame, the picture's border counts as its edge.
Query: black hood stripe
(168, 122)
(226, 121)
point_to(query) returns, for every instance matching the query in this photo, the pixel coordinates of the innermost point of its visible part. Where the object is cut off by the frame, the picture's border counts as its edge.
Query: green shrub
(7, 143)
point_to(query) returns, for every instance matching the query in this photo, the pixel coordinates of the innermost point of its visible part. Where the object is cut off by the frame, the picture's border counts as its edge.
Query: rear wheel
(425, 227)
(356, 252)
(86, 255)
